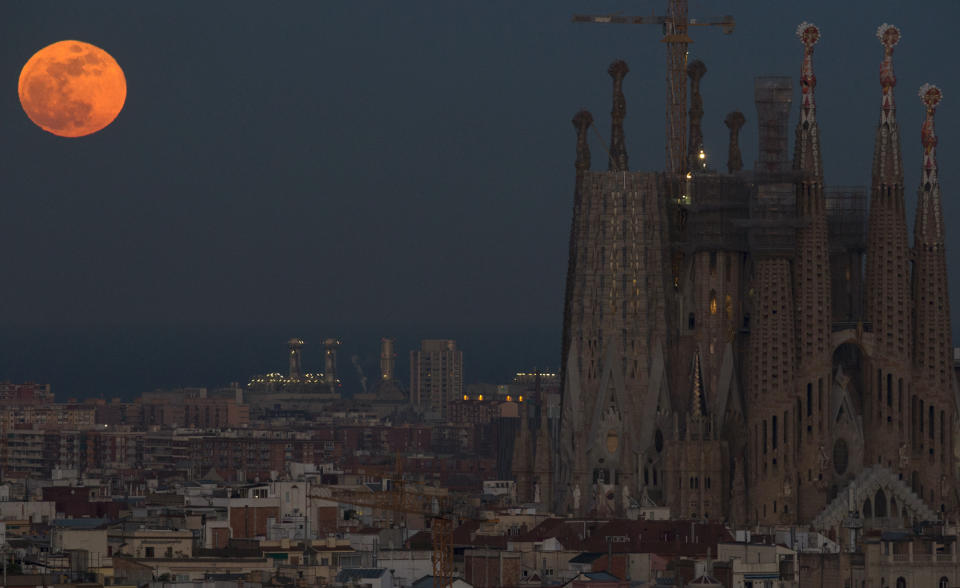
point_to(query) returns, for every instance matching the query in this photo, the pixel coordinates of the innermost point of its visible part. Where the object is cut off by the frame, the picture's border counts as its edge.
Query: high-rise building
(725, 353)
(436, 377)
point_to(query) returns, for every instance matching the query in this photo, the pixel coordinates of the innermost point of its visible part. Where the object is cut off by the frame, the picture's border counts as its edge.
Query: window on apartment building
(148, 552)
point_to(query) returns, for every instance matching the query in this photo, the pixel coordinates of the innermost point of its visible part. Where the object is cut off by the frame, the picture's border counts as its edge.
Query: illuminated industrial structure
(725, 354)
(295, 346)
(330, 347)
(388, 388)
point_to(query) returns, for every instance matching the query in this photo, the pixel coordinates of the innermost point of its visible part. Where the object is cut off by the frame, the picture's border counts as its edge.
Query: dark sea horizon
(125, 361)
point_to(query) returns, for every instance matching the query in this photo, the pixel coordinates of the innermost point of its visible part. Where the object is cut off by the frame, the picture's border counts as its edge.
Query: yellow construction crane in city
(675, 25)
(437, 507)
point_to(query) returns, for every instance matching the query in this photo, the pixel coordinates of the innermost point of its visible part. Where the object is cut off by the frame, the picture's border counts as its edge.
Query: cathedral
(755, 347)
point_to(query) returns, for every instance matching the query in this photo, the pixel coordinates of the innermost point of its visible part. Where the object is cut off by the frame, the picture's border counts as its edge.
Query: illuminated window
(713, 302)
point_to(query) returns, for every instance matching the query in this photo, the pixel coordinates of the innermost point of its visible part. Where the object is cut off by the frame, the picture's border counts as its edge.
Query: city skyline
(341, 298)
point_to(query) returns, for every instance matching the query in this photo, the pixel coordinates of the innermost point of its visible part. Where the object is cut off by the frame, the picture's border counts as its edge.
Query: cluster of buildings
(757, 389)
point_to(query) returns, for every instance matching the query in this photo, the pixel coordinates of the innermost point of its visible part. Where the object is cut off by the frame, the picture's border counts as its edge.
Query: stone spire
(812, 288)
(929, 221)
(543, 460)
(888, 265)
(807, 149)
(734, 121)
(888, 296)
(521, 465)
(933, 345)
(618, 149)
(812, 268)
(582, 121)
(698, 400)
(933, 379)
(696, 70)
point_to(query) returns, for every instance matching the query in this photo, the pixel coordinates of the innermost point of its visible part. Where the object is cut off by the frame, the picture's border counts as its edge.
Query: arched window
(713, 302)
(867, 509)
(901, 582)
(944, 582)
(942, 426)
(774, 436)
(880, 504)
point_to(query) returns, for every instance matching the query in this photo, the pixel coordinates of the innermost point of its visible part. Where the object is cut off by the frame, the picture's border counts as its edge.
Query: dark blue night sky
(362, 168)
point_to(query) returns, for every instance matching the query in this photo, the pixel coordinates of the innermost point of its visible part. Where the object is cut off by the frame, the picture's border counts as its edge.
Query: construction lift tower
(675, 25)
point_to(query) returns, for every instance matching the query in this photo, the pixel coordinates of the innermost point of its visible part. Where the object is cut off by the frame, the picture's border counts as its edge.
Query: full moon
(72, 89)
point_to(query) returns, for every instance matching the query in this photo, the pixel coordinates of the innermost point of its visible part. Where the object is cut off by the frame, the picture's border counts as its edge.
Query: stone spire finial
(931, 96)
(887, 159)
(734, 121)
(618, 149)
(889, 35)
(929, 228)
(582, 121)
(806, 156)
(809, 35)
(696, 70)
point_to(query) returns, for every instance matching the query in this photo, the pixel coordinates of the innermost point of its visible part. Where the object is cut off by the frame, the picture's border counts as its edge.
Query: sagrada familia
(755, 347)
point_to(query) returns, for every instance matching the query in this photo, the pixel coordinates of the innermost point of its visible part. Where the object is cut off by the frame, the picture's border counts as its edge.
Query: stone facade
(719, 327)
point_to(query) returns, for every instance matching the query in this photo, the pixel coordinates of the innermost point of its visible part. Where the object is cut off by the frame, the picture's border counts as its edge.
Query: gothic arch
(872, 484)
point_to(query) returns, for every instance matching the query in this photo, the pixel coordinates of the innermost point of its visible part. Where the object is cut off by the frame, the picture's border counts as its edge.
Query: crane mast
(676, 24)
(678, 43)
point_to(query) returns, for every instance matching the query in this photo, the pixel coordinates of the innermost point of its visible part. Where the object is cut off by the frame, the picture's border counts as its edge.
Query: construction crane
(675, 26)
(438, 507)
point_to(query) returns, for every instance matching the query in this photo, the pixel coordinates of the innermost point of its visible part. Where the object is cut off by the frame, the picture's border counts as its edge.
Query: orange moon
(72, 89)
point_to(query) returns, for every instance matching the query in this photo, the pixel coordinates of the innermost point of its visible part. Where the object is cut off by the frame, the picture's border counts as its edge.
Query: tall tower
(813, 297)
(543, 460)
(296, 360)
(614, 381)
(388, 359)
(436, 376)
(888, 297)
(330, 347)
(933, 415)
(771, 347)
(521, 465)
